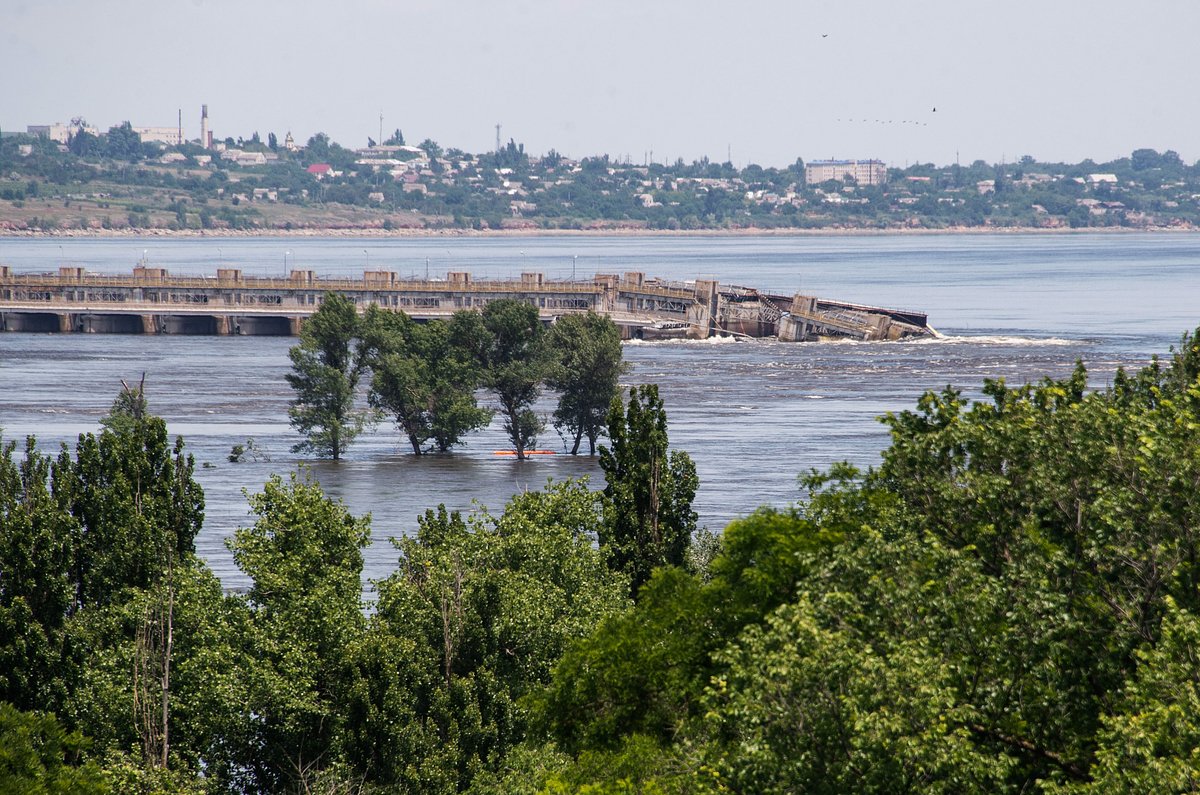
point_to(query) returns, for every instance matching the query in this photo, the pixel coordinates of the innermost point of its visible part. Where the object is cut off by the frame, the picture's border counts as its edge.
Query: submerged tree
(324, 375)
(514, 365)
(586, 355)
(648, 516)
(425, 376)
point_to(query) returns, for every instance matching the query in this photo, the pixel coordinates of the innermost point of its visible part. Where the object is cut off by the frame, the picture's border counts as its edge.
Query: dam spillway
(152, 301)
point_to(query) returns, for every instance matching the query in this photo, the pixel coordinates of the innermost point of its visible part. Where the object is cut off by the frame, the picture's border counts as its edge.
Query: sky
(758, 81)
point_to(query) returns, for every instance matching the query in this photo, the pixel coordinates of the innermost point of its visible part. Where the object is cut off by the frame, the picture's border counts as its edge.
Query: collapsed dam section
(152, 301)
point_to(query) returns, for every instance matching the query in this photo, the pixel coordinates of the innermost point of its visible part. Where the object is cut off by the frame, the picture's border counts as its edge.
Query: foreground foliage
(1009, 603)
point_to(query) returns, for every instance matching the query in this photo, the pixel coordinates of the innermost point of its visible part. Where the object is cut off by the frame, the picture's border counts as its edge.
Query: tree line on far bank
(424, 375)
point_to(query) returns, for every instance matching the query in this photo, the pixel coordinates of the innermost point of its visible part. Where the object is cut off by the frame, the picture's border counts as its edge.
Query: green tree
(1149, 742)
(317, 149)
(83, 143)
(431, 148)
(802, 708)
(37, 593)
(425, 375)
(325, 373)
(122, 143)
(304, 556)
(473, 621)
(586, 355)
(648, 516)
(643, 672)
(514, 365)
(37, 755)
(101, 615)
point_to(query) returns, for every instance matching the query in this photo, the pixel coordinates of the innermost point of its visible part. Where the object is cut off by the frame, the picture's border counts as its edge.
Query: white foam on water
(1011, 340)
(709, 341)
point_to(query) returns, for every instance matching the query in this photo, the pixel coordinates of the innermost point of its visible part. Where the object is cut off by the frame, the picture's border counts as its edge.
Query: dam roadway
(151, 301)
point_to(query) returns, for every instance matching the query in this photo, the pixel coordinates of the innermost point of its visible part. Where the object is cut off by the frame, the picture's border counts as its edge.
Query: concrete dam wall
(151, 301)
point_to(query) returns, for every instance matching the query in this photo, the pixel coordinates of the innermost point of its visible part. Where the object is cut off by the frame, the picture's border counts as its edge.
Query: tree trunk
(166, 672)
(578, 439)
(518, 439)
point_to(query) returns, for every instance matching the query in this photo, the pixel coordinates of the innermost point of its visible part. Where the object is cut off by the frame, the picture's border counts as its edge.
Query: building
(864, 172)
(172, 136)
(58, 132)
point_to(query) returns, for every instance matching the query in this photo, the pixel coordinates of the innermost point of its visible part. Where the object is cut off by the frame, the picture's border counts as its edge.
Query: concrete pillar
(804, 304)
(149, 324)
(703, 314)
(224, 325)
(65, 323)
(791, 329)
(295, 322)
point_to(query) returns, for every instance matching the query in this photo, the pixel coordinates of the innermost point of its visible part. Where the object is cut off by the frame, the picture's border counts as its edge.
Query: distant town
(71, 177)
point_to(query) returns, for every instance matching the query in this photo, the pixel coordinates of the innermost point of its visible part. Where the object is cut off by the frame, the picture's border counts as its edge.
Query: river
(754, 415)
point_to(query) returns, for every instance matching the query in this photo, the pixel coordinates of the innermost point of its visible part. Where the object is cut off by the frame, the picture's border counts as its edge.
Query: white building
(864, 172)
(58, 132)
(172, 136)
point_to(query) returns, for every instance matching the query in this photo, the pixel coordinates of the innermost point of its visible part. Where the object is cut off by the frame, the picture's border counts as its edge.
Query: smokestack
(204, 139)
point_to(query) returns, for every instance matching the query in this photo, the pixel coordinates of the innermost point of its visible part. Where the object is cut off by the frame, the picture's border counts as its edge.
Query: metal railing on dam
(151, 301)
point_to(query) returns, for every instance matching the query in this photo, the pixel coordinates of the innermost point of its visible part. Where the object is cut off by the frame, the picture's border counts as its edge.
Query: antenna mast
(497, 139)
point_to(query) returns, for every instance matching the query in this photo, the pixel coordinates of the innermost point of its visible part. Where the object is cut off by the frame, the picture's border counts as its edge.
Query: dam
(152, 301)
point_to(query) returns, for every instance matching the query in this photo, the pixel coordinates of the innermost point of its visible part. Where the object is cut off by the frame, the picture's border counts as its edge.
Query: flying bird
(935, 110)
(824, 35)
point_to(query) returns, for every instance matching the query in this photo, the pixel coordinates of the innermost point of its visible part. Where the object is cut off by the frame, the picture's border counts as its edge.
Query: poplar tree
(647, 502)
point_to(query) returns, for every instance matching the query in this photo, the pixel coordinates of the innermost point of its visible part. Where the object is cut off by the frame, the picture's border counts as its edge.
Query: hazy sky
(765, 80)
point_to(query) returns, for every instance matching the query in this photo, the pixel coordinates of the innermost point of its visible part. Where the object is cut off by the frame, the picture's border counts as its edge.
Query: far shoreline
(614, 232)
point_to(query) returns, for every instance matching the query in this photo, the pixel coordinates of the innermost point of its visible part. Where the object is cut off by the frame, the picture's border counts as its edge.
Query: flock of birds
(889, 121)
(913, 122)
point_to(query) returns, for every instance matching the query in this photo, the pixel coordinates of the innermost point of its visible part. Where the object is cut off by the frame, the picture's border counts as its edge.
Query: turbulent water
(753, 415)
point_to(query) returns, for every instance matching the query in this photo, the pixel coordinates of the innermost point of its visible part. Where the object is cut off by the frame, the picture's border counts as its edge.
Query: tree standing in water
(514, 364)
(325, 373)
(586, 354)
(425, 374)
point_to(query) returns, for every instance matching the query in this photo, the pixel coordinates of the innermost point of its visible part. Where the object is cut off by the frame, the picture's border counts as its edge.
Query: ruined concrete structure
(151, 301)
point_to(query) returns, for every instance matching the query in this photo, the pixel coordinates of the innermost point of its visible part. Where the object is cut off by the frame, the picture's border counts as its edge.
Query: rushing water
(753, 415)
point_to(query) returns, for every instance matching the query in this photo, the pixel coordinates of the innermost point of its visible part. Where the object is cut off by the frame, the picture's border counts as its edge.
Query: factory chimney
(205, 136)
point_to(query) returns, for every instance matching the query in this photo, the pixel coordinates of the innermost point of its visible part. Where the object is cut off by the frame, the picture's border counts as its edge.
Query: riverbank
(629, 232)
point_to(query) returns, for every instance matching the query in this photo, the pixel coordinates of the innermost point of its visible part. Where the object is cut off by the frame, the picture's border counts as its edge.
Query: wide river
(753, 415)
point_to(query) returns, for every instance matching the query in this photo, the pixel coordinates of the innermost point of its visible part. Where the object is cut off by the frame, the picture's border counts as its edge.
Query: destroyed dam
(151, 301)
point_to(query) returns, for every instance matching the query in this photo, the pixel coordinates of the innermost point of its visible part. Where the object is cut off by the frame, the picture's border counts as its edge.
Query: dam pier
(152, 301)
